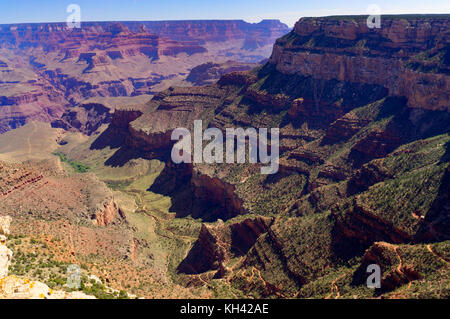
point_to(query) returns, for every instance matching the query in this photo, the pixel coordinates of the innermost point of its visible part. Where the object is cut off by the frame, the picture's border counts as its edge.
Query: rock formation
(86, 118)
(219, 243)
(347, 50)
(106, 214)
(210, 72)
(5, 253)
(5, 221)
(47, 68)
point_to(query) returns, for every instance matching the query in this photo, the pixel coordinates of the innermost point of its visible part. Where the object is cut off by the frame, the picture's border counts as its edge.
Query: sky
(288, 11)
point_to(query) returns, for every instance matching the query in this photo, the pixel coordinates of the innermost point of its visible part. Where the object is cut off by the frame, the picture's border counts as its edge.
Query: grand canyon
(86, 175)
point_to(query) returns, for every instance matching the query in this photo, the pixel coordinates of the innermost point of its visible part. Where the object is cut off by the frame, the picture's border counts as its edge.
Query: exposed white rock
(5, 257)
(5, 221)
(13, 287)
(95, 278)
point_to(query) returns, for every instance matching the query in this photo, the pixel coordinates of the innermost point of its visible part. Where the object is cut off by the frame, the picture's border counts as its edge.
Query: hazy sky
(288, 11)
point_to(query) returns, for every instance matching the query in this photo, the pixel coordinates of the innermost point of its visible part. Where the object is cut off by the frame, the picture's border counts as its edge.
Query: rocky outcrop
(107, 214)
(355, 222)
(266, 100)
(237, 78)
(343, 128)
(168, 110)
(296, 108)
(147, 130)
(368, 175)
(377, 144)
(214, 192)
(5, 257)
(13, 287)
(395, 270)
(5, 222)
(219, 243)
(5, 253)
(86, 118)
(346, 50)
(209, 73)
(122, 118)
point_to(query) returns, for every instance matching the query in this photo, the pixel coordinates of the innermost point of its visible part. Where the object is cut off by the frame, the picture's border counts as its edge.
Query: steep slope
(210, 73)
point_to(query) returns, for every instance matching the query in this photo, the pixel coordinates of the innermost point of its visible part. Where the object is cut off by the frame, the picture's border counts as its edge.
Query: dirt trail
(29, 136)
(251, 277)
(245, 179)
(199, 277)
(400, 261)
(266, 284)
(394, 248)
(333, 287)
(59, 164)
(430, 249)
(415, 216)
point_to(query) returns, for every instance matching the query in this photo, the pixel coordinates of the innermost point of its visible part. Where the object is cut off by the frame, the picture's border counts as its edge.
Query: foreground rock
(5, 253)
(13, 287)
(5, 257)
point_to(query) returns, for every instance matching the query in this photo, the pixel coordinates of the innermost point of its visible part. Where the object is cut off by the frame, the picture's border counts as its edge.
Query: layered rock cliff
(347, 50)
(86, 118)
(219, 243)
(210, 72)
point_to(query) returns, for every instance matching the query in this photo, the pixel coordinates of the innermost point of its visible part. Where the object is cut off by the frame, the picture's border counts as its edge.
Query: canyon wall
(408, 56)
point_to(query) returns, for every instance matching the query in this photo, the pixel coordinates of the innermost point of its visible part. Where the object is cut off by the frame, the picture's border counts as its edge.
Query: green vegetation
(77, 166)
(35, 265)
(270, 195)
(100, 291)
(32, 259)
(430, 61)
(399, 200)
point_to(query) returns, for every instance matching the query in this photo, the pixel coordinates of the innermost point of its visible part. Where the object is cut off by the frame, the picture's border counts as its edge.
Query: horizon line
(236, 19)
